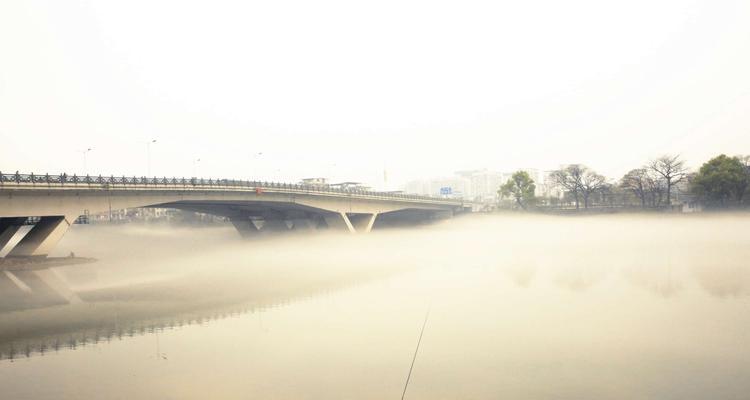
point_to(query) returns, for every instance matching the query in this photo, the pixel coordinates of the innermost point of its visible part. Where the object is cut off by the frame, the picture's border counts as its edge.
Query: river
(516, 307)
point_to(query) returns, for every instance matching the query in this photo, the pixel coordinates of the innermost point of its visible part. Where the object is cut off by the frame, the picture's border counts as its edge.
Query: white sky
(347, 89)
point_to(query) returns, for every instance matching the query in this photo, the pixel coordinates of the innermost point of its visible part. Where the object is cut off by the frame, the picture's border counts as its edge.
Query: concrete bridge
(252, 207)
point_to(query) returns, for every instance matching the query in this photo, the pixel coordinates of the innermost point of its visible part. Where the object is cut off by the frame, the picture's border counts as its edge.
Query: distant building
(547, 187)
(483, 184)
(682, 198)
(154, 215)
(315, 181)
(349, 186)
(480, 185)
(457, 186)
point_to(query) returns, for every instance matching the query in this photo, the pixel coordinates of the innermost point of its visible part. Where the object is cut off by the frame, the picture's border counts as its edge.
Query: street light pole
(253, 165)
(195, 162)
(148, 156)
(85, 166)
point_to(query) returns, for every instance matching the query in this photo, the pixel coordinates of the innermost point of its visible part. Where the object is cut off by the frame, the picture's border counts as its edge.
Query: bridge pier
(303, 224)
(245, 226)
(339, 221)
(40, 240)
(353, 223)
(274, 225)
(8, 228)
(363, 223)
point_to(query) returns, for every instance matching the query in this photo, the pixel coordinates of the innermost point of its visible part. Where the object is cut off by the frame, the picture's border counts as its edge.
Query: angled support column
(274, 225)
(339, 221)
(303, 224)
(8, 228)
(245, 226)
(43, 237)
(362, 223)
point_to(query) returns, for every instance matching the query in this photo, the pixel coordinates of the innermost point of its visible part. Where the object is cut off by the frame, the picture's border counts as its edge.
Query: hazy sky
(348, 89)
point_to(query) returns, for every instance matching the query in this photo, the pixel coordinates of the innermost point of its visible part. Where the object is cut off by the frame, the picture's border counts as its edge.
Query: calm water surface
(519, 308)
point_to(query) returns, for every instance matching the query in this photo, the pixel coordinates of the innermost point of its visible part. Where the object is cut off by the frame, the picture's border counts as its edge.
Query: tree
(590, 182)
(745, 160)
(647, 185)
(636, 181)
(579, 181)
(569, 179)
(672, 169)
(657, 186)
(608, 194)
(721, 179)
(521, 187)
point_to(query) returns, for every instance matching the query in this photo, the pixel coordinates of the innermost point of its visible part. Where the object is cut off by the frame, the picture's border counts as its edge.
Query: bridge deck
(253, 207)
(112, 183)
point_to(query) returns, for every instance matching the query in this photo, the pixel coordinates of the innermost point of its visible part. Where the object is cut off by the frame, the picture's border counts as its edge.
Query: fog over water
(520, 307)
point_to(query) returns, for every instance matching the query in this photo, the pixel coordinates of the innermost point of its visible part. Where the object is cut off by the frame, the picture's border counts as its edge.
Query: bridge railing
(114, 181)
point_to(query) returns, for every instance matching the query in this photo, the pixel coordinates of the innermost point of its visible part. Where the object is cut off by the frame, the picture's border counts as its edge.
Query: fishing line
(416, 351)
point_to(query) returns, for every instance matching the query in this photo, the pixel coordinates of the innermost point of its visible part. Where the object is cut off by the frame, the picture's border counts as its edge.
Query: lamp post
(253, 164)
(329, 171)
(148, 156)
(195, 163)
(85, 166)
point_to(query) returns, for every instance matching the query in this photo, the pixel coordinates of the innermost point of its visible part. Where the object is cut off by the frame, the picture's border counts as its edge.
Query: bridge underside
(258, 217)
(249, 218)
(273, 217)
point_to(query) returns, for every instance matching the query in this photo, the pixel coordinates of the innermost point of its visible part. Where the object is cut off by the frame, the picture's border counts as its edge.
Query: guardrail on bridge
(112, 181)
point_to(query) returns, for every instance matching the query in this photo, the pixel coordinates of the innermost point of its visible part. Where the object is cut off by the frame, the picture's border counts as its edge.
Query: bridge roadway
(251, 206)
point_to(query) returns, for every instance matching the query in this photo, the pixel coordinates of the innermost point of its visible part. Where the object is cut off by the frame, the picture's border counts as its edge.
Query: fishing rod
(416, 351)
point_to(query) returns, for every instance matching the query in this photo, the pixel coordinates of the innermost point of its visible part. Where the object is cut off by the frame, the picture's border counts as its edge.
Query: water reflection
(580, 278)
(724, 281)
(522, 308)
(522, 275)
(136, 313)
(658, 279)
(116, 331)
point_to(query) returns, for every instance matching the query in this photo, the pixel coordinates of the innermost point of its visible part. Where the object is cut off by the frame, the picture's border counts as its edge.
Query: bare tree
(636, 181)
(656, 187)
(608, 194)
(569, 179)
(672, 169)
(590, 182)
(579, 181)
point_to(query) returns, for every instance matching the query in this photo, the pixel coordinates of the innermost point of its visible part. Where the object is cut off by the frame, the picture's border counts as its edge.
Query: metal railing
(115, 181)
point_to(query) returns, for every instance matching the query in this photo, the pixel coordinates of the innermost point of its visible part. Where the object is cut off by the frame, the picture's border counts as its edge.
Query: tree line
(662, 183)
